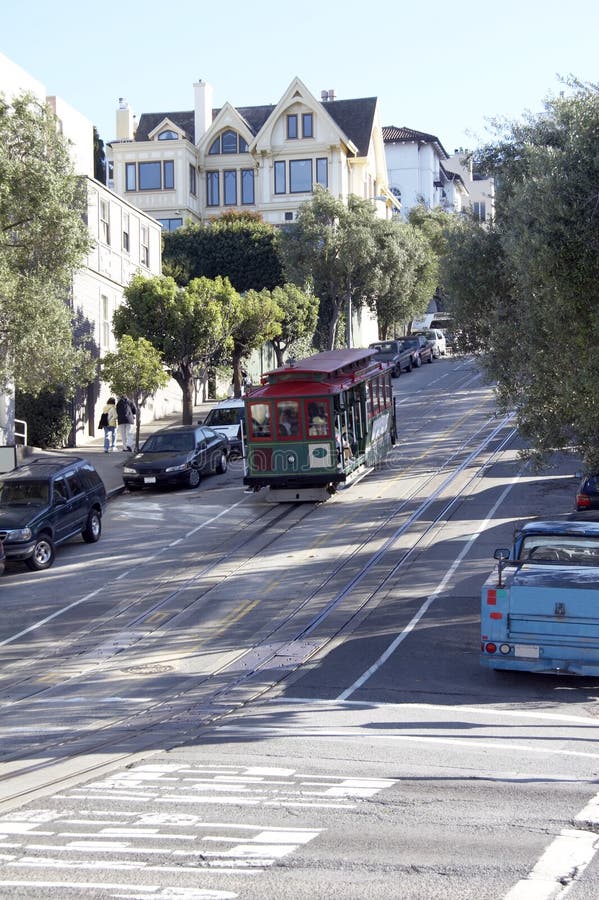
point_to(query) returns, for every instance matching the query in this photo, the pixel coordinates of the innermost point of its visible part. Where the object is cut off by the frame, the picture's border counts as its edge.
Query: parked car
(228, 418)
(419, 347)
(178, 454)
(587, 495)
(44, 502)
(395, 353)
(437, 340)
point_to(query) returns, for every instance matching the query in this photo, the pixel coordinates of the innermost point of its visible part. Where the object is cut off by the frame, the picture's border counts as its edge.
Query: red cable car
(317, 424)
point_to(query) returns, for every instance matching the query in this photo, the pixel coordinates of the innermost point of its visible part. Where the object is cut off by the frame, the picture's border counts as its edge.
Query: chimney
(125, 121)
(324, 96)
(331, 94)
(202, 109)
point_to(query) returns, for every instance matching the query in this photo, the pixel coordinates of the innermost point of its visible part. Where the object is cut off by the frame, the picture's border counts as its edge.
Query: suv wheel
(93, 528)
(418, 361)
(43, 553)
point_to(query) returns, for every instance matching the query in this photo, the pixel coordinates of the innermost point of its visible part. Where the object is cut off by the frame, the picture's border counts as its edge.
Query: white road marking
(440, 587)
(148, 890)
(567, 855)
(75, 603)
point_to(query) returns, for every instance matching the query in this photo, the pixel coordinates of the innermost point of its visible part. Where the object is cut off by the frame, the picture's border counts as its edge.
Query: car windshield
(23, 493)
(410, 342)
(225, 416)
(570, 549)
(179, 442)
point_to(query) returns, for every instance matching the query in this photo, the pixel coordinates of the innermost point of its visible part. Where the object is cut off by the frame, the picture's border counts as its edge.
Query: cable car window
(288, 418)
(260, 420)
(375, 396)
(318, 418)
(368, 400)
(383, 393)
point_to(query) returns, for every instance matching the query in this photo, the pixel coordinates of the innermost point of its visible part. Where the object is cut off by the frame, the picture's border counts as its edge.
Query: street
(225, 698)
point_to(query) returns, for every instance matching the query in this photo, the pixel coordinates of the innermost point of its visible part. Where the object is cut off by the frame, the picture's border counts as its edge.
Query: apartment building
(125, 241)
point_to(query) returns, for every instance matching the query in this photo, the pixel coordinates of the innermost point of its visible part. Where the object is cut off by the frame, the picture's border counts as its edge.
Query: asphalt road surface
(229, 699)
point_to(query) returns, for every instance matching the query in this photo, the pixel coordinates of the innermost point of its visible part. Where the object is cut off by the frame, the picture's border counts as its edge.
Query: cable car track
(166, 711)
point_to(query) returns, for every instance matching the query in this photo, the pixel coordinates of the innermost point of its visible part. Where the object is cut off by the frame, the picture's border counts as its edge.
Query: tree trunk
(237, 376)
(184, 378)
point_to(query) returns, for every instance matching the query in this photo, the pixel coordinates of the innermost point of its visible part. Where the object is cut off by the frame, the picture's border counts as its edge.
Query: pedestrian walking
(126, 412)
(108, 421)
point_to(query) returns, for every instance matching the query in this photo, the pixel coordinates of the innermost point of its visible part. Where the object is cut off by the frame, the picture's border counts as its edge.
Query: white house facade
(125, 241)
(417, 172)
(481, 191)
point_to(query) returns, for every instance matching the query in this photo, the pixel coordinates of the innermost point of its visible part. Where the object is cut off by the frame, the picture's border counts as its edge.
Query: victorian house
(196, 164)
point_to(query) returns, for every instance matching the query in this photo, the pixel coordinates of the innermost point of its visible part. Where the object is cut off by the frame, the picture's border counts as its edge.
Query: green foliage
(239, 246)
(258, 320)
(135, 371)
(531, 302)
(328, 250)
(99, 158)
(187, 325)
(403, 275)
(43, 239)
(300, 315)
(48, 416)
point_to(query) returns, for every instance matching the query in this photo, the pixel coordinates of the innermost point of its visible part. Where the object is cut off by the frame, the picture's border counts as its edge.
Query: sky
(447, 71)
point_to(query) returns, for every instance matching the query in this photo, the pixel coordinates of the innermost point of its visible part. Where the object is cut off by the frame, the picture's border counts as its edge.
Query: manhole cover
(149, 669)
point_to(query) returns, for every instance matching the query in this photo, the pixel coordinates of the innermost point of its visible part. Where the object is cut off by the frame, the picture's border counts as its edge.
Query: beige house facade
(197, 164)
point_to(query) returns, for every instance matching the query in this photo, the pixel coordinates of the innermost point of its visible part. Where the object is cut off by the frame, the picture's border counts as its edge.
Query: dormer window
(228, 142)
(168, 135)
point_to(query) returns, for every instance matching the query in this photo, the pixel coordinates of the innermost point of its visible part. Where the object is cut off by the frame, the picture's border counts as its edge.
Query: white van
(228, 417)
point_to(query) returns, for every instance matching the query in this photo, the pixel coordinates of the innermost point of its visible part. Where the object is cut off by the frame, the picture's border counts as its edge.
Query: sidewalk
(109, 465)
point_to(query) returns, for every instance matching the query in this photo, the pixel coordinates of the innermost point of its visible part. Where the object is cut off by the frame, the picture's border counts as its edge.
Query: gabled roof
(149, 121)
(354, 117)
(392, 134)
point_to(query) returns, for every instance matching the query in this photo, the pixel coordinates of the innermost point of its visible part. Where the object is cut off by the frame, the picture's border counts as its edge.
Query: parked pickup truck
(540, 607)
(394, 353)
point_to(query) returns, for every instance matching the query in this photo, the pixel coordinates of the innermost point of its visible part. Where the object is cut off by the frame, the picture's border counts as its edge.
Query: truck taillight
(491, 648)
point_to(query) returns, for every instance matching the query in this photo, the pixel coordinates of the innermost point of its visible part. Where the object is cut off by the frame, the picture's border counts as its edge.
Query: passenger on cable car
(287, 425)
(317, 419)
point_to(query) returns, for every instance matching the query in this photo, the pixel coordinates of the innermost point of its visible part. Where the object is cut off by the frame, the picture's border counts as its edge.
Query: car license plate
(150, 479)
(530, 651)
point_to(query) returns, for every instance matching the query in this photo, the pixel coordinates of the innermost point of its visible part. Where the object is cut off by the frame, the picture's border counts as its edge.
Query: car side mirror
(502, 554)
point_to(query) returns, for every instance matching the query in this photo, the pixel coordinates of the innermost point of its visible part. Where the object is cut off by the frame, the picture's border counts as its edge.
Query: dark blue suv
(44, 502)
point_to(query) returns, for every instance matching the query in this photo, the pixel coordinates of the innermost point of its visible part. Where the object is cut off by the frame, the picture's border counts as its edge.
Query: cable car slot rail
(68, 760)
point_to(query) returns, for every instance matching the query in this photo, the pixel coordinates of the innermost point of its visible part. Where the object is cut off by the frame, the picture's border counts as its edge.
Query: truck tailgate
(558, 601)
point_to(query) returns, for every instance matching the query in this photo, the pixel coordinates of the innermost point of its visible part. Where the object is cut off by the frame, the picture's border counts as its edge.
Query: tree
(329, 250)
(99, 158)
(239, 246)
(187, 325)
(135, 371)
(299, 317)
(402, 275)
(43, 239)
(538, 324)
(258, 320)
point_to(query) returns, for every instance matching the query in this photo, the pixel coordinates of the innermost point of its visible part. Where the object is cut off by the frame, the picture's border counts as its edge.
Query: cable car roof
(324, 373)
(331, 362)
